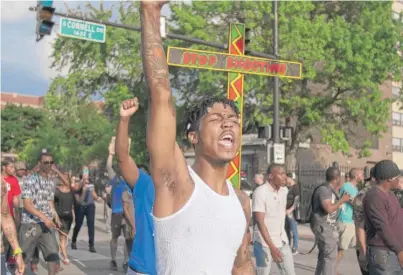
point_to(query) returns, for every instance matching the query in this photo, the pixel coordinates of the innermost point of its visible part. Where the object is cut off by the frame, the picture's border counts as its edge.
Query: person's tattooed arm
(7, 221)
(243, 264)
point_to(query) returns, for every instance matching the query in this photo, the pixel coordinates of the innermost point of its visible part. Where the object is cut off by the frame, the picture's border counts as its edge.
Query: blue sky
(25, 63)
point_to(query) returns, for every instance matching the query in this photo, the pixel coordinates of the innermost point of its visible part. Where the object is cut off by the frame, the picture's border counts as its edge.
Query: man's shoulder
(31, 178)
(260, 190)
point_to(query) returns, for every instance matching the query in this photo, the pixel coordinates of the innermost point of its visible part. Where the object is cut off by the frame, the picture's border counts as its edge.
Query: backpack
(309, 212)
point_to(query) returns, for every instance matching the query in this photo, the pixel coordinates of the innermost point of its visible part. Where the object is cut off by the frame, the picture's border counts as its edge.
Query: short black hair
(272, 166)
(6, 161)
(332, 173)
(44, 154)
(196, 111)
(290, 175)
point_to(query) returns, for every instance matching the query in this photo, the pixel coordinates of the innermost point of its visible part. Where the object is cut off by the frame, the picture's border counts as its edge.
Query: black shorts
(66, 221)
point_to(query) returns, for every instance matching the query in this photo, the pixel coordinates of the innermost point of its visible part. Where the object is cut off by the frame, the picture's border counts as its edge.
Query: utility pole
(276, 92)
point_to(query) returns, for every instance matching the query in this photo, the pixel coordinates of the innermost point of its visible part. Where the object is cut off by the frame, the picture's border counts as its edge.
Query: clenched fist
(129, 107)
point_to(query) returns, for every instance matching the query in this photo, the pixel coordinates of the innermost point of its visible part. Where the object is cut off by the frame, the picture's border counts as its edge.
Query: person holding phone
(85, 207)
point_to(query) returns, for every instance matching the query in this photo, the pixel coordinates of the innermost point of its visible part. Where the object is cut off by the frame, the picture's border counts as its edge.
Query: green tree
(18, 124)
(347, 50)
(111, 70)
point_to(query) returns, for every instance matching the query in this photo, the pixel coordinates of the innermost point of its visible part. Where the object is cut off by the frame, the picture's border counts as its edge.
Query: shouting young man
(200, 220)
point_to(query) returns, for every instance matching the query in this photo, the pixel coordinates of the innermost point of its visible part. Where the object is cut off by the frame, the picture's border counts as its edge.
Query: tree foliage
(111, 70)
(347, 50)
(18, 124)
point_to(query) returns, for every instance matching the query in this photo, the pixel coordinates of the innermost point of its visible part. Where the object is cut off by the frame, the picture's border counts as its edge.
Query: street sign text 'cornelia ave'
(82, 30)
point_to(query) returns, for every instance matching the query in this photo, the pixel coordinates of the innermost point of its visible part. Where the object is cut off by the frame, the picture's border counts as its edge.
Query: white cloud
(14, 11)
(18, 40)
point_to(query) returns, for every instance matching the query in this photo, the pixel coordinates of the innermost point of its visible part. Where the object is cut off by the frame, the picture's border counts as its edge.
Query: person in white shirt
(200, 220)
(270, 238)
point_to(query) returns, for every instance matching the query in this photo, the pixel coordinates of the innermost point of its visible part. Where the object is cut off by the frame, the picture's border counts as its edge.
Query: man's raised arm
(161, 130)
(127, 166)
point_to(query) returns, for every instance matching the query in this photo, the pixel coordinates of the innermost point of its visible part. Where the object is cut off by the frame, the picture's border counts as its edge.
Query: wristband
(17, 251)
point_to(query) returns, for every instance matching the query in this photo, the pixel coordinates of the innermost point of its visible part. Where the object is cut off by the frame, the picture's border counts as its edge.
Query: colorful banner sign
(215, 61)
(235, 92)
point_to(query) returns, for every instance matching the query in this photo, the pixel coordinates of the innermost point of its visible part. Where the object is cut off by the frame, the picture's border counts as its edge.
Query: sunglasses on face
(47, 162)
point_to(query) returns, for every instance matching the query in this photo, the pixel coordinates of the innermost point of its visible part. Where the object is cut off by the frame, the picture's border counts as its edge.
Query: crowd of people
(179, 219)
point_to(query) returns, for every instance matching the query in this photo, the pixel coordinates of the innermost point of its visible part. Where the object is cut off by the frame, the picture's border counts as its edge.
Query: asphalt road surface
(84, 262)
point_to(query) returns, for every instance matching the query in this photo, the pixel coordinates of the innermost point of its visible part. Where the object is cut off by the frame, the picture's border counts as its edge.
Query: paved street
(84, 262)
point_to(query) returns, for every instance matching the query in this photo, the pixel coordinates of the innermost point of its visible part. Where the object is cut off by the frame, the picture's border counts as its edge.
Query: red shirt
(13, 189)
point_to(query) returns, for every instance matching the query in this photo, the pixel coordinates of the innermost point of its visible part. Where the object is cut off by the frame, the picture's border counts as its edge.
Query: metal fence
(308, 178)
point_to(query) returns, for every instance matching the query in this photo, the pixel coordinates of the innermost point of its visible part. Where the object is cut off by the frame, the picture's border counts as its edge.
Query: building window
(396, 144)
(397, 119)
(395, 91)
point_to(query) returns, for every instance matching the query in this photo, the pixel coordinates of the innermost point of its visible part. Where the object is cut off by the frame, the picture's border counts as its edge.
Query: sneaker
(294, 251)
(114, 266)
(125, 267)
(92, 249)
(74, 246)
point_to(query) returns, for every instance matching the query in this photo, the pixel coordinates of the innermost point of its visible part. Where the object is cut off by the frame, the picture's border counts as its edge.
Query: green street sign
(82, 30)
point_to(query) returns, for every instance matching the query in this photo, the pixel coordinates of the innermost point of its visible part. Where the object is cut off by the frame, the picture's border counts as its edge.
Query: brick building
(31, 100)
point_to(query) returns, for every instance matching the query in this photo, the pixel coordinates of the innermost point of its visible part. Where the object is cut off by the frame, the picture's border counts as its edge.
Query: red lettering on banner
(186, 58)
(230, 63)
(212, 60)
(282, 69)
(202, 60)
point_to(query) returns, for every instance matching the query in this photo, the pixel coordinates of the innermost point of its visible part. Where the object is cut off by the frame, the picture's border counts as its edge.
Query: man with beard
(200, 220)
(37, 226)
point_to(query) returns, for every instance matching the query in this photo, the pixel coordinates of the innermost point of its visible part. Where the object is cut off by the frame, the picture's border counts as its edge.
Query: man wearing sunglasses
(37, 226)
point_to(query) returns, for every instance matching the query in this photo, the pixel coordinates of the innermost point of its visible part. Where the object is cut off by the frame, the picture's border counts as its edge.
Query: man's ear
(192, 138)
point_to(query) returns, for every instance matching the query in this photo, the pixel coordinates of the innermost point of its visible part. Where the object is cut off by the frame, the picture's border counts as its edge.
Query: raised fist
(129, 107)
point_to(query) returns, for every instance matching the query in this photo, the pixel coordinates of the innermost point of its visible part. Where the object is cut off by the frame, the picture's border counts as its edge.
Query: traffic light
(247, 39)
(44, 19)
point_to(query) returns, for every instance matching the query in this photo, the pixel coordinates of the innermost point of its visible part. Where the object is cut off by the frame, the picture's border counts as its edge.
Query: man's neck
(215, 176)
(334, 186)
(43, 174)
(354, 182)
(275, 187)
(384, 187)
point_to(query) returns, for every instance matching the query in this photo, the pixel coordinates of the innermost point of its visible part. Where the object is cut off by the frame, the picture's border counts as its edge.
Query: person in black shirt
(291, 225)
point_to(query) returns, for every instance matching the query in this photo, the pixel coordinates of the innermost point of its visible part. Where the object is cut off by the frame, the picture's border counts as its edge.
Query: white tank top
(204, 236)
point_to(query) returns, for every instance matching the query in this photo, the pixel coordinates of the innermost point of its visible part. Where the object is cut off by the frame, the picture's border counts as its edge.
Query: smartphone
(86, 171)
